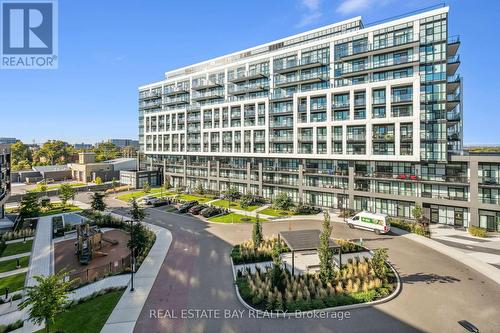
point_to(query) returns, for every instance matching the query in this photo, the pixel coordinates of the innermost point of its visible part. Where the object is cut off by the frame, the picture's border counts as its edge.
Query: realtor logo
(29, 36)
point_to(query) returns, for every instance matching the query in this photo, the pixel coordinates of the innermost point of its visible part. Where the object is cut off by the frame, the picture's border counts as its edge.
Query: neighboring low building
(54, 172)
(4, 177)
(88, 169)
(7, 141)
(137, 179)
(121, 143)
(83, 146)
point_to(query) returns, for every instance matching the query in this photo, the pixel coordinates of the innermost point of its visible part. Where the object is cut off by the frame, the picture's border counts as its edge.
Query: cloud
(312, 12)
(351, 6)
(348, 7)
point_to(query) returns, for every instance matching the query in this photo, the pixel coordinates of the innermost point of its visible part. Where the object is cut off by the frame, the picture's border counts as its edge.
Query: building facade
(4, 177)
(122, 143)
(365, 117)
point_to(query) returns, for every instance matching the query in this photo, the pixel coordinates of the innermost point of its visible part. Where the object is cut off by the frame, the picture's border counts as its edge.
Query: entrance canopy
(304, 240)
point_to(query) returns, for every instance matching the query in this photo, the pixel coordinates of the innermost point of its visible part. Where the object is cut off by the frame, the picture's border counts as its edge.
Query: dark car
(197, 209)
(184, 208)
(160, 202)
(210, 211)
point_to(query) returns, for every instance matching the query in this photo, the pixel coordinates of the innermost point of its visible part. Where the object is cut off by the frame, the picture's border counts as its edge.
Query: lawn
(53, 187)
(13, 282)
(56, 208)
(275, 212)
(234, 218)
(17, 248)
(87, 317)
(234, 205)
(11, 265)
(137, 194)
(193, 197)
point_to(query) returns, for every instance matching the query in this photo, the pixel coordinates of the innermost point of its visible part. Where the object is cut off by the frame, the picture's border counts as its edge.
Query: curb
(301, 314)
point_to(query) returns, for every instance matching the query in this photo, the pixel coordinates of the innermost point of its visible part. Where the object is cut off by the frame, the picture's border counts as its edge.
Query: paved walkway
(41, 262)
(14, 272)
(15, 256)
(19, 240)
(127, 311)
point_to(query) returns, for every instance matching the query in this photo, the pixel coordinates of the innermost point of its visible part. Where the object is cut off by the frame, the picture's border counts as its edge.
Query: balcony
(381, 46)
(293, 65)
(378, 101)
(489, 180)
(283, 138)
(241, 90)
(284, 81)
(172, 91)
(406, 137)
(246, 76)
(387, 137)
(337, 137)
(340, 105)
(366, 67)
(305, 138)
(453, 45)
(149, 106)
(356, 137)
(149, 95)
(249, 113)
(207, 95)
(282, 95)
(452, 65)
(303, 150)
(403, 98)
(259, 139)
(281, 124)
(206, 84)
(275, 150)
(321, 138)
(453, 83)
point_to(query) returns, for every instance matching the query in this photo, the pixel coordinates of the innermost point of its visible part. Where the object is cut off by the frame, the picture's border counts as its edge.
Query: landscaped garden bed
(247, 252)
(12, 282)
(10, 265)
(15, 248)
(234, 205)
(356, 282)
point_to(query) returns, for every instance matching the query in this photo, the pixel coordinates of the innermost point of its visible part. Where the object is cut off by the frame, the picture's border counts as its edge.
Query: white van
(379, 223)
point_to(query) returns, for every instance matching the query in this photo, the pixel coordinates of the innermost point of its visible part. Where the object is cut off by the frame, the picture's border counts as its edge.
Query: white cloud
(351, 6)
(312, 12)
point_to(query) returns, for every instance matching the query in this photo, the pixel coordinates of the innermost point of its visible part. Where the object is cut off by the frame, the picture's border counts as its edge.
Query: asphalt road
(196, 275)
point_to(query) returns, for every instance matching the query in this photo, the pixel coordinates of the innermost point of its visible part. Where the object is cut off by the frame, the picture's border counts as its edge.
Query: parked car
(379, 223)
(211, 211)
(150, 200)
(184, 208)
(160, 202)
(197, 209)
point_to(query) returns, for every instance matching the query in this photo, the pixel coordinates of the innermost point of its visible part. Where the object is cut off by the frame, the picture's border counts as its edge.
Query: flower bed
(413, 227)
(354, 283)
(245, 252)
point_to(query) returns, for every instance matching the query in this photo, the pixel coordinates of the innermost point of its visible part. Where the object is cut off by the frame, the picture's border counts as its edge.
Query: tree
(283, 202)
(232, 194)
(66, 192)
(378, 262)
(199, 189)
(54, 152)
(21, 157)
(257, 232)
(45, 203)
(97, 202)
(139, 239)
(129, 151)
(146, 188)
(137, 213)
(114, 183)
(98, 180)
(246, 201)
(42, 187)
(29, 206)
(417, 213)
(277, 274)
(325, 253)
(47, 299)
(106, 151)
(167, 185)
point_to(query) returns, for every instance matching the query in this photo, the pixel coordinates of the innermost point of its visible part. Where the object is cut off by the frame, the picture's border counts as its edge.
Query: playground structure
(89, 243)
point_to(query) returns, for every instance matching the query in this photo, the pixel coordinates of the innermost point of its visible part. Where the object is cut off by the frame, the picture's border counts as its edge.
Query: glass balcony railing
(402, 98)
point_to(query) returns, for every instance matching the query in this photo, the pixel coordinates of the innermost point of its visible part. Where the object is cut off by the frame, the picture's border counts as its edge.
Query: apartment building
(4, 177)
(349, 115)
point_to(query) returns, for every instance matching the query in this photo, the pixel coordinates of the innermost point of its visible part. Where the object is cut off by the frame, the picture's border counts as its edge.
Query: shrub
(283, 202)
(306, 210)
(413, 227)
(477, 231)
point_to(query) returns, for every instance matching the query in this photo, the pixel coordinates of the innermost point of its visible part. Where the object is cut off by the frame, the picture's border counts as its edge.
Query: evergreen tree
(257, 232)
(138, 213)
(29, 206)
(97, 202)
(325, 253)
(66, 192)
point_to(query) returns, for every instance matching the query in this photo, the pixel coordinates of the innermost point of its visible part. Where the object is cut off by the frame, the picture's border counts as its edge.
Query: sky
(109, 48)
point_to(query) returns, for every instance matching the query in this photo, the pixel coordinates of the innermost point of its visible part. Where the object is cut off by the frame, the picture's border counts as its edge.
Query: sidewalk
(14, 272)
(128, 309)
(41, 262)
(15, 256)
(454, 253)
